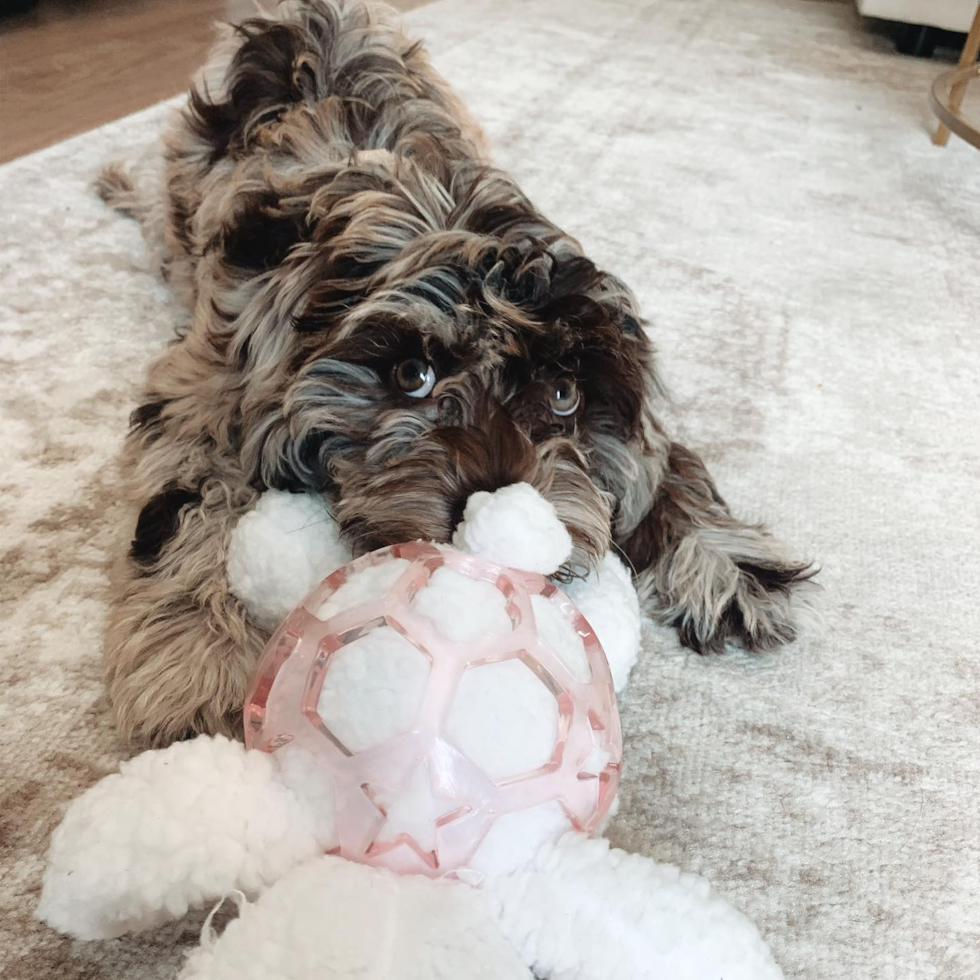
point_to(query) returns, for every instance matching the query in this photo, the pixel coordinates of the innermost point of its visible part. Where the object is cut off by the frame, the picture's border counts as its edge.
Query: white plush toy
(203, 820)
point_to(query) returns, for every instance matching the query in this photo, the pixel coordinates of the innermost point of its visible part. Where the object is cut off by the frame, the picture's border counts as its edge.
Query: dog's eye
(416, 377)
(565, 398)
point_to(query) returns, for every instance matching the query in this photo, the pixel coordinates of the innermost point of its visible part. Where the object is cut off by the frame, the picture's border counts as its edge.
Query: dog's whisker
(626, 558)
(309, 524)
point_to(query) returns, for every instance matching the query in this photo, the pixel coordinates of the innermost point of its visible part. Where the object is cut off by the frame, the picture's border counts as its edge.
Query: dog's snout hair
(329, 214)
(488, 454)
(422, 492)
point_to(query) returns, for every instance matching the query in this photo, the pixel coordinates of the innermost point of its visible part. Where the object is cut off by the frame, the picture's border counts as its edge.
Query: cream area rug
(760, 172)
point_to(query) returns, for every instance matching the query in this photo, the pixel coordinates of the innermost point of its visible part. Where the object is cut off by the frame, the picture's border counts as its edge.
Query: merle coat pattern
(379, 315)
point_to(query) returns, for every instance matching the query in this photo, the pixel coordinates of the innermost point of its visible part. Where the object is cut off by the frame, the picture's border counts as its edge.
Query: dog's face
(476, 354)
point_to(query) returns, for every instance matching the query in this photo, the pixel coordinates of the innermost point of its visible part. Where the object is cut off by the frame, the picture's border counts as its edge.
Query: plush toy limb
(333, 918)
(174, 828)
(585, 911)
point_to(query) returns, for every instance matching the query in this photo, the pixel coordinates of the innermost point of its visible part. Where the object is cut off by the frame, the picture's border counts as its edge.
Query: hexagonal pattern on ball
(430, 729)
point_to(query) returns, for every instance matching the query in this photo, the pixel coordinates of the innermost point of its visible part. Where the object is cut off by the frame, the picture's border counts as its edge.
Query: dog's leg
(180, 648)
(713, 577)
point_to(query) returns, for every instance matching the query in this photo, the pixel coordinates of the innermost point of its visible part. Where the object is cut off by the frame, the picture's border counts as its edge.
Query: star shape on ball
(412, 816)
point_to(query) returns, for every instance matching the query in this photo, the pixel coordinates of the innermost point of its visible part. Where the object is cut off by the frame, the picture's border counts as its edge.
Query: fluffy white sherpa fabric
(529, 536)
(462, 608)
(509, 701)
(608, 601)
(586, 911)
(173, 829)
(365, 585)
(333, 918)
(373, 689)
(292, 543)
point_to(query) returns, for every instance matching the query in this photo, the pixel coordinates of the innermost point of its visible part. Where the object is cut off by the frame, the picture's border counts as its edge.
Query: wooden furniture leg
(970, 51)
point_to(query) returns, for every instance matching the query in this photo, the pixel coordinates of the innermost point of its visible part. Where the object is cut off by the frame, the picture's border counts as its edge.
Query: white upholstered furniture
(951, 15)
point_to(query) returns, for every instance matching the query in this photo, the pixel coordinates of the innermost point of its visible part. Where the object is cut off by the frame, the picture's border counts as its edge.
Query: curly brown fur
(328, 213)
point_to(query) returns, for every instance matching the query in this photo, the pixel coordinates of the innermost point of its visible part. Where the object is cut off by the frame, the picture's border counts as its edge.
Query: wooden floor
(70, 65)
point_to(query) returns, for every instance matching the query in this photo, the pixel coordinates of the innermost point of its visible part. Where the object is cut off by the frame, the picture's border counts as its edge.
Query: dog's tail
(115, 186)
(137, 189)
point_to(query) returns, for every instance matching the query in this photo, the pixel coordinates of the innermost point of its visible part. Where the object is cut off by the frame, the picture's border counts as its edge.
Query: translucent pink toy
(450, 705)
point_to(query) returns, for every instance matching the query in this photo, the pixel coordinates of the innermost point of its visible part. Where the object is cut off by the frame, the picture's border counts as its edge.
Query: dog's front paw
(715, 598)
(715, 578)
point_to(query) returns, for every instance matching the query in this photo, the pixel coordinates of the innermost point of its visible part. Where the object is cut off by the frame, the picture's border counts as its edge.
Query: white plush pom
(514, 526)
(280, 550)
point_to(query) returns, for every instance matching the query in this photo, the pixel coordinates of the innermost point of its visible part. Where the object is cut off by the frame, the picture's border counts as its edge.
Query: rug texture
(760, 172)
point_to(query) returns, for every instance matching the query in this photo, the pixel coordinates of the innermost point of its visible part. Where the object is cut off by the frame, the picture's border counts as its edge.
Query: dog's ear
(713, 577)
